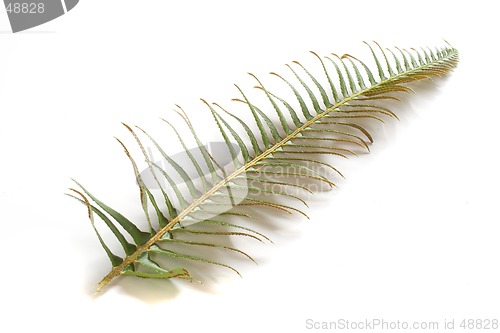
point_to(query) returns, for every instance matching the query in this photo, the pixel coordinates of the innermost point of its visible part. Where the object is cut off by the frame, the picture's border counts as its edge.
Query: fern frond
(290, 148)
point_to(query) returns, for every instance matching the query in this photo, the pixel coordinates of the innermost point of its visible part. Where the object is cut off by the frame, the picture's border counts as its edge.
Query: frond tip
(196, 194)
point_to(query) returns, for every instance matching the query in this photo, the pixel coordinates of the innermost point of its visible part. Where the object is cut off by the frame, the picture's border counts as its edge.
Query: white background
(411, 235)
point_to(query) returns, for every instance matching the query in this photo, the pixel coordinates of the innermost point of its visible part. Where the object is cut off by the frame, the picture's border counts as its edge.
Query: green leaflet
(155, 271)
(140, 237)
(281, 162)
